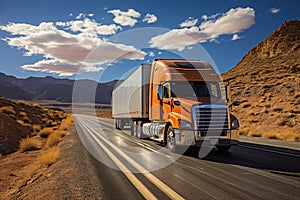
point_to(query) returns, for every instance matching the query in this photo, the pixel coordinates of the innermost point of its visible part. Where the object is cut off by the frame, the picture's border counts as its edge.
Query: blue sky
(105, 39)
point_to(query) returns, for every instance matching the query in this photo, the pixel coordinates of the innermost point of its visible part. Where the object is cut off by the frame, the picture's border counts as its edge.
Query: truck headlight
(185, 124)
(234, 122)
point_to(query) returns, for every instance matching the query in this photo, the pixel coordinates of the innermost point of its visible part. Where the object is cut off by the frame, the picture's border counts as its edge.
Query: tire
(117, 122)
(139, 130)
(132, 128)
(134, 131)
(223, 148)
(171, 143)
(121, 124)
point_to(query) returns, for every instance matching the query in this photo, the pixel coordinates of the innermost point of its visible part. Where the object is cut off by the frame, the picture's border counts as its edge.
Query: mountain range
(49, 88)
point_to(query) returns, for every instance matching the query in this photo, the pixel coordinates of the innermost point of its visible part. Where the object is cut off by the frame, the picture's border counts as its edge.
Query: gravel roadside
(73, 176)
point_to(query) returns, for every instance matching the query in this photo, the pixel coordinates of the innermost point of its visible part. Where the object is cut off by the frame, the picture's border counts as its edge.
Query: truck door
(166, 101)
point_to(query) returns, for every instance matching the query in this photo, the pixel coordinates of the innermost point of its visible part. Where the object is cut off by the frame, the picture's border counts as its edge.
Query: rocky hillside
(267, 83)
(19, 119)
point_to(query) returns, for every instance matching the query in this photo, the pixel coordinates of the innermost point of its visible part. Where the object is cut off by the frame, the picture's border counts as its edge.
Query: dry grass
(45, 132)
(9, 110)
(49, 157)
(53, 140)
(36, 105)
(36, 128)
(21, 122)
(244, 131)
(23, 114)
(66, 123)
(23, 103)
(53, 123)
(29, 144)
(253, 133)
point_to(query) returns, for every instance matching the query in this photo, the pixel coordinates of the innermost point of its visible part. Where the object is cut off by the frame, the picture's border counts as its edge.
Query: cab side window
(166, 91)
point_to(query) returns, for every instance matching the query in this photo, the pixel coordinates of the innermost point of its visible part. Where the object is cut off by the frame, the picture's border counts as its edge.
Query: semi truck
(176, 102)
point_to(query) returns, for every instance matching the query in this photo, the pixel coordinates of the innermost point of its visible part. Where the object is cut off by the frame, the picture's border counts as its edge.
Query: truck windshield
(195, 89)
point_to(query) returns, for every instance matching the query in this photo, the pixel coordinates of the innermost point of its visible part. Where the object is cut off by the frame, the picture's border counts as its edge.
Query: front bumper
(191, 137)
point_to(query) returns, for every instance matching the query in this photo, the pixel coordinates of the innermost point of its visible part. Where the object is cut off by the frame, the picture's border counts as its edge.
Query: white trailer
(130, 99)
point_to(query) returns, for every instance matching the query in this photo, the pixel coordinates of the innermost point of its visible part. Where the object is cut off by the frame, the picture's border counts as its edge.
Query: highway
(131, 168)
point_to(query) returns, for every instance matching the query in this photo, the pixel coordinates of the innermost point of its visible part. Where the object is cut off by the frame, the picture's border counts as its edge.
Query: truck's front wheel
(171, 143)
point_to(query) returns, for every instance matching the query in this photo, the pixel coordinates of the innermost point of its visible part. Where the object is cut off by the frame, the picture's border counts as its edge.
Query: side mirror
(160, 92)
(227, 92)
(176, 103)
(236, 103)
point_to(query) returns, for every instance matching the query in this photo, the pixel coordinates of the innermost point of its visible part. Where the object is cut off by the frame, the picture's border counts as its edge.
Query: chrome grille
(210, 117)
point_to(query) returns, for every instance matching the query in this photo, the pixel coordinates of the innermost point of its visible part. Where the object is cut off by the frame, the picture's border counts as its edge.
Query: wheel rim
(171, 140)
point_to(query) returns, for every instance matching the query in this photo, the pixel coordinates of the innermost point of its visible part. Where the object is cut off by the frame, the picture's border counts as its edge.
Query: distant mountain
(50, 88)
(267, 82)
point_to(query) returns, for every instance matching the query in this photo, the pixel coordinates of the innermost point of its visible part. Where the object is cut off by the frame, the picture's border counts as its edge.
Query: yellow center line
(138, 185)
(157, 182)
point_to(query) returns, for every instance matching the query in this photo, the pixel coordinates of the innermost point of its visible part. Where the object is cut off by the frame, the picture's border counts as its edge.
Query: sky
(105, 40)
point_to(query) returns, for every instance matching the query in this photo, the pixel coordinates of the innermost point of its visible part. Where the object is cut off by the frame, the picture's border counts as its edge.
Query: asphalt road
(130, 168)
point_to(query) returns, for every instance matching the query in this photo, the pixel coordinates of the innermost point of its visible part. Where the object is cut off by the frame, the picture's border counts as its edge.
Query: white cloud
(205, 17)
(274, 10)
(60, 67)
(80, 15)
(234, 21)
(178, 39)
(66, 52)
(71, 14)
(189, 22)
(150, 18)
(151, 54)
(125, 18)
(235, 37)
(90, 27)
(90, 14)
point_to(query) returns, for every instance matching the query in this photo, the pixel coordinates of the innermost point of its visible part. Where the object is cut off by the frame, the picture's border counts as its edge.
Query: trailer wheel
(117, 124)
(132, 128)
(171, 143)
(223, 148)
(139, 130)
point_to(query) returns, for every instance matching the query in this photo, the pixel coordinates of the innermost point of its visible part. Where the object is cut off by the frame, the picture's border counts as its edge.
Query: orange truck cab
(176, 102)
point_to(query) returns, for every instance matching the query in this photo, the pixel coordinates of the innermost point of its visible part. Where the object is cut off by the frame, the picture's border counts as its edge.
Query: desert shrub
(53, 123)
(243, 131)
(23, 103)
(36, 105)
(21, 122)
(23, 113)
(36, 128)
(253, 133)
(281, 122)
(297, 95)
(53, 140)
(245, 105)
(272, 134)
(66, 123)
(60, 133)
(49, 157)
(277, 109)
(28, 144)
(26, 119)
(45, 132)
(9, 110)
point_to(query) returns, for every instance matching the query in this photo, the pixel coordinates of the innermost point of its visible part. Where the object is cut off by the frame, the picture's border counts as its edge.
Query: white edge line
(162, 186)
